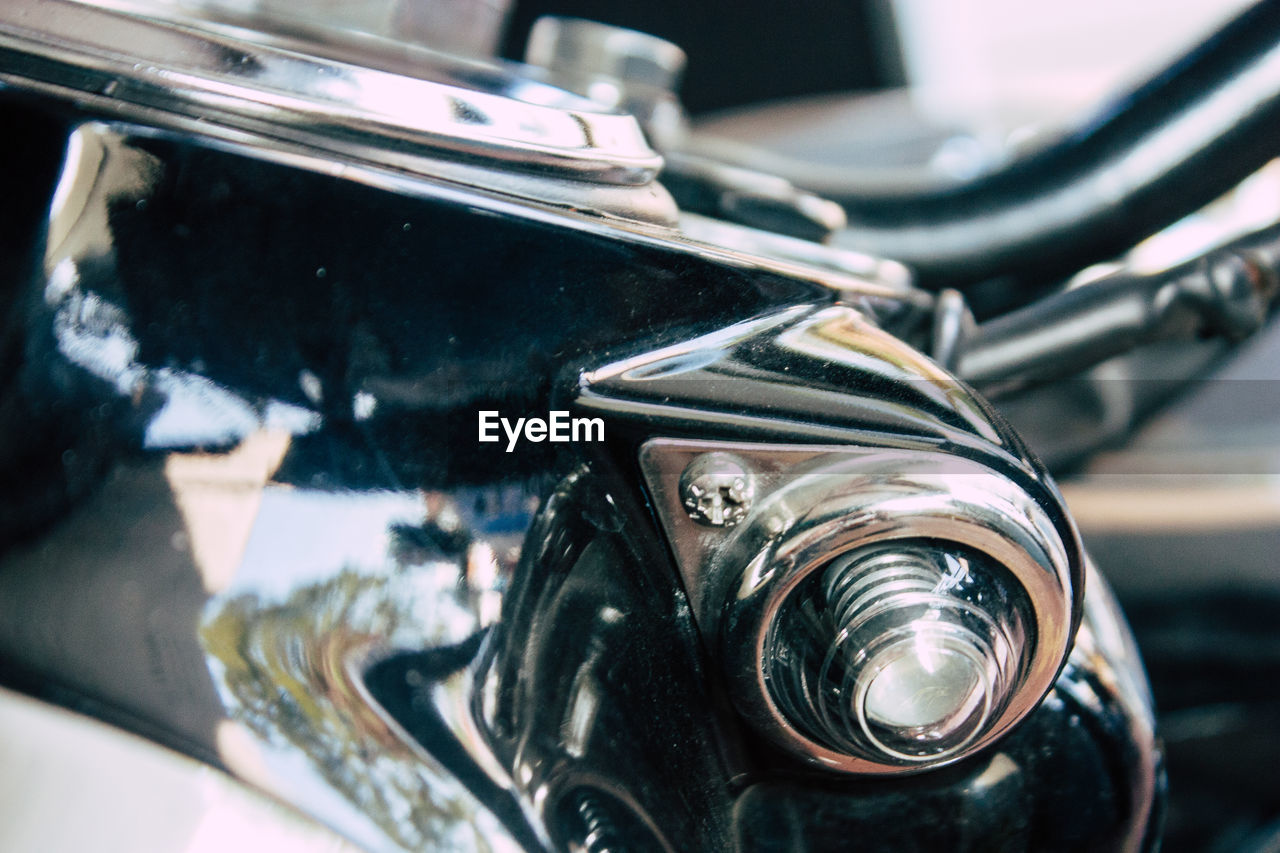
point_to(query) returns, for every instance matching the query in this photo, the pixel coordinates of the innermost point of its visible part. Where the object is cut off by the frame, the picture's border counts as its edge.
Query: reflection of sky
(198, 411)
(302, 537)
(95, 334)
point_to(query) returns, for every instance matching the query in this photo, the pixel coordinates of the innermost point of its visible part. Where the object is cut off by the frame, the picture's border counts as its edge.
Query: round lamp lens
(904, 651)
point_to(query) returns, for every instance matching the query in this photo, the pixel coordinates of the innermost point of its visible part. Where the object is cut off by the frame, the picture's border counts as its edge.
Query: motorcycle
(405, 450)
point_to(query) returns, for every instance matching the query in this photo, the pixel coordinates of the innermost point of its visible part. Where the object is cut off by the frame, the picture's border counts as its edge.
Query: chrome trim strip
(206, 74)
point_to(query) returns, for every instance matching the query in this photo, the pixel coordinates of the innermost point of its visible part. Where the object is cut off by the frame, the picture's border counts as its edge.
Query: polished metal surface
(1105, 667)
(283, 106)
(250, 614)
(839, 269)
(254, 515)
(830, 373)
(224, 77)
(617, 68)
(639, 74)
(245, 612)
(913, 666)
(860, 468)
(1225, 293)
(576, 46)
(290, 638)
(246, 119)
(819, 503)
(707, 186)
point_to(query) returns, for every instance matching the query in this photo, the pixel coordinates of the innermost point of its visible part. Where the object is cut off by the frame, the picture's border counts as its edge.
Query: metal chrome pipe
(1148, 159)
(1227, 293)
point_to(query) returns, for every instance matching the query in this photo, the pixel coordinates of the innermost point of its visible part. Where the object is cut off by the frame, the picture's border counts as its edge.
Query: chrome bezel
(830, 501)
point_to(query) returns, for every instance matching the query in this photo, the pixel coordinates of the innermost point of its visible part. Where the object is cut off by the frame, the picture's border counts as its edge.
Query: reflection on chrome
(219, 74)
(1103, 672)
(861, 567)
(904, 650)
(845, 336)
(329, 585)
(253, 320)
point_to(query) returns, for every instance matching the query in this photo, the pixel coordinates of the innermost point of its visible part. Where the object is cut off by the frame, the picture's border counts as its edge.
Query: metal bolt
(717, 489)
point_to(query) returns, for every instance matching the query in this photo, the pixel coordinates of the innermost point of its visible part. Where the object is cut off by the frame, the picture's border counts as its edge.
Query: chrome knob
(582, 48)
(623, 69)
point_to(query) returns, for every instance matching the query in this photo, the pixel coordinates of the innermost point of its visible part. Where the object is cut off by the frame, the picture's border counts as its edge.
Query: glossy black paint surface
(212, 296)
(249, 274)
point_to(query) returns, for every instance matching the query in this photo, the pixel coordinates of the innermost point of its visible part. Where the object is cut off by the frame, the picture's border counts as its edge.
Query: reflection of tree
(289, 673)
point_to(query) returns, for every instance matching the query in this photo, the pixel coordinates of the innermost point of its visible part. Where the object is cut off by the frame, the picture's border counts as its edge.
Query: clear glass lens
(924, 685)
(904, 651)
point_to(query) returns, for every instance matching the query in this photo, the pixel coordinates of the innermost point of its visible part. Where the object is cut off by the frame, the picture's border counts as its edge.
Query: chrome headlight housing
(876, 611)
(906, 650)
